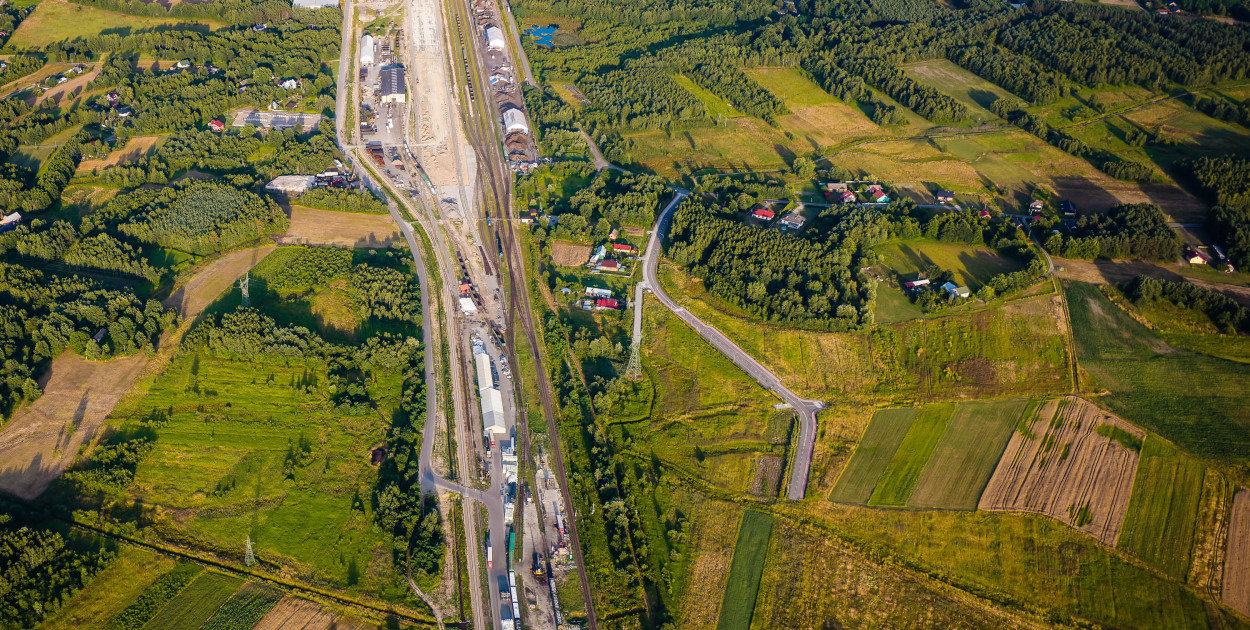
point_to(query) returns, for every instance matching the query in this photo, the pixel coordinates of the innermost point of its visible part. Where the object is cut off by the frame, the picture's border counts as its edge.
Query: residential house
(1036, 205)
(945, 196)
(763, 214)
(1067, 208)
(1195, 257)
(793, 221)
(878, 196)
(10, 221)
(622, 248)
(835, 187)
(847, 197)
(290, 84)
(953, 291)
(609, 265)
(596, 292)
(216, 126)
(985, 214)
(606, 303)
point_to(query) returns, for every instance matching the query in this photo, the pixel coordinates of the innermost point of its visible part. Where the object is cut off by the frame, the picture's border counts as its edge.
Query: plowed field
(1057, 464)
(1237, 558)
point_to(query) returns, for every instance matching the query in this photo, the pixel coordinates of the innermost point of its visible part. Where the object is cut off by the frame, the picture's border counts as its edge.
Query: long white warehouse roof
(494, 38)
(485, 379)
(492, 411)
(514, 120)
(366, 49)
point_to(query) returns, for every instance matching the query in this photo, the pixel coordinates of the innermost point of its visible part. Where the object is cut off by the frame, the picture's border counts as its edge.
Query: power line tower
(243, 285)
(634, 371)
(249, 558)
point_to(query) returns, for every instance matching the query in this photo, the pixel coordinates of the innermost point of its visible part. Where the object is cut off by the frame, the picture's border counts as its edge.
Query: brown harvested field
(714, 533)
(341, 229)
(293, 613)
(137, 147)
(568, 254)
(1061, 467)
(44, 436)
(1237, 557)
(1206, 568)
(70, 88)
(208, 283)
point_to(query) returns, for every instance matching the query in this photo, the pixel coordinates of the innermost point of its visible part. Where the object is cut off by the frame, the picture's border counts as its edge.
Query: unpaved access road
(44, 436)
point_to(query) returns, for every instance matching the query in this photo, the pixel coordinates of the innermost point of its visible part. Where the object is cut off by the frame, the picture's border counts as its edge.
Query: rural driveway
(806, 408)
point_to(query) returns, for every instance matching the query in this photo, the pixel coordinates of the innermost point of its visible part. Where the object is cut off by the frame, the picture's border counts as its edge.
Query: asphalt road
(806, 409)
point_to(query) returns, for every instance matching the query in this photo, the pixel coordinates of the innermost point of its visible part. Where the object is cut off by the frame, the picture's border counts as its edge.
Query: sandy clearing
(293, 613)
(44, 437)
(1066, 466)
(1237, 558)
(136, 148)
(340, 229)
(569, 254)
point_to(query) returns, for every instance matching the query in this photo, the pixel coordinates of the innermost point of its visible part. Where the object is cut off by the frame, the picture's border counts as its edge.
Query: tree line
(1225, 313)
(1131, 230)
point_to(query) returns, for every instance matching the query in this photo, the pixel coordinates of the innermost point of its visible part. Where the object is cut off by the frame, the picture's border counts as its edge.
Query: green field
(913, 453)
(109, 592)
(873, 455)
(244, 609)
(972, 266)
(1195, 400)
(966, 456)
(153, 598)
(746, 571)
(1163, 511)
(716, 106)
(196, 603)
(969, 89)
(57, 20)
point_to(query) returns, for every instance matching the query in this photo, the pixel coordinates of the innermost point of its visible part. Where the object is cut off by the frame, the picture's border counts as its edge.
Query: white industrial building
(494, 38)
(514, 120)
(366, 49)
(485, 378)
(291, 184)
(492, 411)
(467, 306)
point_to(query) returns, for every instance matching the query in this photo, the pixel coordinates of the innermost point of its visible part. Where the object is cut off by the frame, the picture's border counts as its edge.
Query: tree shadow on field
(984, 98)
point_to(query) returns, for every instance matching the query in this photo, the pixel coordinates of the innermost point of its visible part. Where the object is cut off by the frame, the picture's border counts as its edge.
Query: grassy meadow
(965, 458)
(973, 267)
(1195, 400)
(901, 476)
(746, 570)
(970, 90)
(197, 602)
(1163, 511)
(57, 20)
(873, 454)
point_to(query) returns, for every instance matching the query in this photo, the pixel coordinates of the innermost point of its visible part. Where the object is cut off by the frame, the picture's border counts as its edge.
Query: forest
(608, 199)
(1227, 314)
(41, 568)
(1126, 231)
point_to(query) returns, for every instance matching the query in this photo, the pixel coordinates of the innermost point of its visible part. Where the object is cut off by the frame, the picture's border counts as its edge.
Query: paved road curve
(806, 408)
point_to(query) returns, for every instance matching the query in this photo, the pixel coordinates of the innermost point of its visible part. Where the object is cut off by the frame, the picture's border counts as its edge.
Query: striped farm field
(913, 453)
(873, 455)
(967, 454)
(746, 570)
(196, 603)
(244, 609)
(1163, 509)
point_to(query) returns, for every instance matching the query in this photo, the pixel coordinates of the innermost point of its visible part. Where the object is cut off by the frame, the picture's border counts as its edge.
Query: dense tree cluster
(384, 294)
(41, 569)
(44, 314)
(1016, 73)
(733, 85)
(1135, 230)
(203, 217)
(1224, 181)
(640, 97)
(608, 199)
(342, 200)
(1230, 226)
(19, 66)
(1225, 313)
(1223, 109)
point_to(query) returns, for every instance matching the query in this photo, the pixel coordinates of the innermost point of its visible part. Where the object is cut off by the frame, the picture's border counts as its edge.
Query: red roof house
(763, 213)
(622, 247)
(606, 303)
(217, 126)
(610, 265)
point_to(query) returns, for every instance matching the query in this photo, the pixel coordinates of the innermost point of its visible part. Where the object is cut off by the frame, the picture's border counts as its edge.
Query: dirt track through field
(293, 613)
(340, 229)
(1237, 559)
(44, 436)
(1066, 470)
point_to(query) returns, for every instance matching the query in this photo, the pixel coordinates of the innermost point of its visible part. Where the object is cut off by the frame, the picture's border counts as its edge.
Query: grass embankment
(1195, 400)
(1163, 511)
(746, 571)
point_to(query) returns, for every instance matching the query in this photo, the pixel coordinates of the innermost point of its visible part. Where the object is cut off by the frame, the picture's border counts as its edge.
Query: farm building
(953, 291)
(514, 120)
(392, 90)
(793, 221)
(624, 248)
(596, 292)
(836, 187)
(314, 4)
(945, 196)
(1195, 257)
(494, 38)
(291, 184)
(763, 213)
(366, 49)
(607, 303)
(916, 284)
(609, 265)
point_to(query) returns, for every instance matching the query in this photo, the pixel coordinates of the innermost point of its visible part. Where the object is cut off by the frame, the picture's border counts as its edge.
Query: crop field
(1140, 371)
(973, 266)
(1163, 511)
(873, 455)
(110, 591)
(310, 226)
(967, 454)
(569, 254)
(816, 113)
(293, 613)
(196, 603)
(56, 20)
(901, 476)
(244, 609)
(1059, 463)
(972, 91)
(746, 570)
(1014, 350)
(1236, 591)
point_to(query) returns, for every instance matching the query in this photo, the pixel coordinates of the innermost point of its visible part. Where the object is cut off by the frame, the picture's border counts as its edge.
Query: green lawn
(973, 266)
(1162, 513)
(967, 454)
(969, 89)
(196, 603)
(873, 455)
(792, 85)
(746, 571)
(244, 609)
(1195, 400)
(913, 454)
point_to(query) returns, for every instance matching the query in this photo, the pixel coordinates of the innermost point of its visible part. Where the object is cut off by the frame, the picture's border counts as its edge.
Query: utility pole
(247, 301)
(249, 558)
